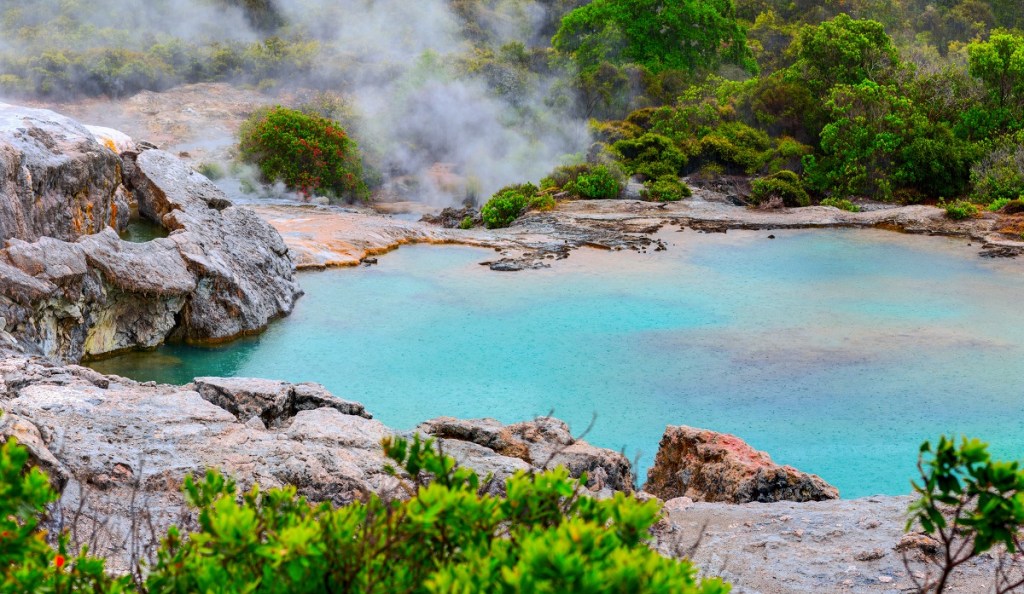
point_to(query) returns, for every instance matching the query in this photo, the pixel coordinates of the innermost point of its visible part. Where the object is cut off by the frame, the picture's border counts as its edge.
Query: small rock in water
(771, 237)
(368, 261)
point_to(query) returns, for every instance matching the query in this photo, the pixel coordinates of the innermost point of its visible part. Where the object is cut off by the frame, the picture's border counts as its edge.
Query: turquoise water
(836, 351)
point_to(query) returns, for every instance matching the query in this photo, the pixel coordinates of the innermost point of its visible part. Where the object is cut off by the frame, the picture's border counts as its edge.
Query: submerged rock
(708, 466)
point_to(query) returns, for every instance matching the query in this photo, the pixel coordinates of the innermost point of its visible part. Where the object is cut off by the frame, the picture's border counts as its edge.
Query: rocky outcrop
(542, 443)
(71, 288)
(708, 466)
(240, 263)
(56, 180)
(272, 403)
(114, 441)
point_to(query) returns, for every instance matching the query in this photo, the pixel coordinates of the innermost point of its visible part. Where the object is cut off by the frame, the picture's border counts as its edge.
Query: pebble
(885, 579)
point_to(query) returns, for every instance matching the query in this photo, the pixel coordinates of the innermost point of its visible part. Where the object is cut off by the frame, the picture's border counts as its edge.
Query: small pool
(836, 351)
(142, 230)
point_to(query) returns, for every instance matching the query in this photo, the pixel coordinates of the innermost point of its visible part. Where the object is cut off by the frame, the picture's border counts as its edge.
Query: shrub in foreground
(972, 505)
(308, 153)
(841, 204)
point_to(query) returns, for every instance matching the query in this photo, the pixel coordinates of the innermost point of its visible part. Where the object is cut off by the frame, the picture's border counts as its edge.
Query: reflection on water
(836, 351)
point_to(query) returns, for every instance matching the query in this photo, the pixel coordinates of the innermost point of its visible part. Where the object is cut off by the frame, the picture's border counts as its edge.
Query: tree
(844, 51)
(659, 35)
(999, 63)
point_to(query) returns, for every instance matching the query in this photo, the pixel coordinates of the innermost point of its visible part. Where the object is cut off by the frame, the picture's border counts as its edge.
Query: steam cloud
(398, 65)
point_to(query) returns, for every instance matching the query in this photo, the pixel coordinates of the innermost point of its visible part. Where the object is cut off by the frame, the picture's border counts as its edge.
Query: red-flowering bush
(308, 153)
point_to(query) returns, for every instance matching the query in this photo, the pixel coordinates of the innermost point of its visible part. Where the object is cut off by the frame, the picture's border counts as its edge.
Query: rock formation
(708, 466)
(113, 440)
(71, 288)
(56, 180)
(546, 442)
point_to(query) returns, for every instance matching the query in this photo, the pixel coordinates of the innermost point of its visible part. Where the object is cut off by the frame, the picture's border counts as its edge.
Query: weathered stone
(55, 179)
(709, 466)
(241, 264)
(221, 274)
(275, 403)
(13, 426)
(541, 443)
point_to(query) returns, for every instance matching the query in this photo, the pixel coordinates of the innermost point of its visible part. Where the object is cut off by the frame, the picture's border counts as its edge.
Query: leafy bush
(466, 223)
(998, 204)
(840, 203)
(1000, 174)
(309, 153)
(599, 183)
(969, 503)
(542, 202)
(449, 536)
(959, 210)
(27, 562)
(544, 536)
(651, 155)
(784, 185)
(666, 189)
(507, 204)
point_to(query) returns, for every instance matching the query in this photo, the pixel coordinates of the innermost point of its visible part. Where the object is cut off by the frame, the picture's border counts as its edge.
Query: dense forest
(896, 100)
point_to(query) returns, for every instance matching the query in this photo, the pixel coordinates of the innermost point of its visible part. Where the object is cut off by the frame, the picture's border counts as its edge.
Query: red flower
(59, 561)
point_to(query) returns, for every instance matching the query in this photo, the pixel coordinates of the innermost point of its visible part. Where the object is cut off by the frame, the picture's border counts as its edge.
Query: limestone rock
(709, 466)
(56, 180)
(240, 263)
(275, 403)
(541, 443)
(13, 426)
(72, 288)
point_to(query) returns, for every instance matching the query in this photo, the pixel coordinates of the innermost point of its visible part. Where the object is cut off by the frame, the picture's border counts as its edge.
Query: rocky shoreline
(71, 288)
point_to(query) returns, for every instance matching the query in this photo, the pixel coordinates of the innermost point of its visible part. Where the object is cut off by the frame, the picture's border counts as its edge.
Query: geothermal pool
(836, 351)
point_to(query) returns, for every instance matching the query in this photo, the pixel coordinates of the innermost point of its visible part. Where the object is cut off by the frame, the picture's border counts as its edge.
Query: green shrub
(507, 204)
(970, 504)
(998, 204)
(665, 189)
(467, 223)
(544, 536)
(599, 183)
(309, 153)
(1000, 174)
(27, 562)
(651, 155)
(959, 210)
(784, 185)
(840, 203)
(542, 202)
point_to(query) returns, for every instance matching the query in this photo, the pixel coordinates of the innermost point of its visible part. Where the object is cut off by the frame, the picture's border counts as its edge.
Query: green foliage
(784, 185)
(999, 63)
(998, 204)
(309, 153)
(27, 562)
(665, 189)
(841, 204)
(959, 210)
(596, 183)
(844, 51)
(1000, 174)
(651, 156)
(965, 496)
(686, 35)
(507, 205)
(466, 223)
(544, 536)
(542, 202)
